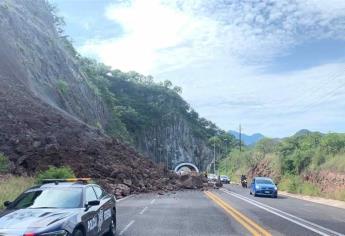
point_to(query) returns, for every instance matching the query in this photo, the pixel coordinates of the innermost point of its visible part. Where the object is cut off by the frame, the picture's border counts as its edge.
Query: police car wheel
(112, 227)
(77, 232)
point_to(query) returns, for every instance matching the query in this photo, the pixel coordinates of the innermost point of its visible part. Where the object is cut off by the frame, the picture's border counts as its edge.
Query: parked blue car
(262, 186)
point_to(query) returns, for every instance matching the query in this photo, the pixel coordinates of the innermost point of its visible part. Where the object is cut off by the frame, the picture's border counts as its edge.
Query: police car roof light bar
(57, 181)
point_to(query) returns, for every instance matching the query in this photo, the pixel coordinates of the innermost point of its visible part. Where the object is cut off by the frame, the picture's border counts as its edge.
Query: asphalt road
(227, 211)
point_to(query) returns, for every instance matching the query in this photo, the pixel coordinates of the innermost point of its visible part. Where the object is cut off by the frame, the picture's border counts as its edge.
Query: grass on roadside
(336, 163)
(294, 184)
(11, 187)
(338, 195)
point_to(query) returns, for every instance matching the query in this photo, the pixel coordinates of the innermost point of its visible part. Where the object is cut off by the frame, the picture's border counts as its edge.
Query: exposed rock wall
(173, 142)
(47, 70)
(326, 180)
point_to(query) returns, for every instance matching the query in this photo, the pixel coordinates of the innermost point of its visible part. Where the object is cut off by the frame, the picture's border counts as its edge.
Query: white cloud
(155, 36)
(216, 50)
(164, 35)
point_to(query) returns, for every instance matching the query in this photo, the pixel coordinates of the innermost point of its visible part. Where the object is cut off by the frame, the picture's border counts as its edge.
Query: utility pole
(214, 157)
(226, 155)
(240, 138)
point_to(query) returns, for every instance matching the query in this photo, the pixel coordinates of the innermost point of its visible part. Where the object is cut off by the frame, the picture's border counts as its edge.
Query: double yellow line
(247, 223)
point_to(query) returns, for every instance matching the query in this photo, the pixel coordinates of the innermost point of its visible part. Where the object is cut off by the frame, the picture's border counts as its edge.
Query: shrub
(336, 163)
(287, 166)
(309, 189)
(294, 184)
(290, 183)
(55, 173)
(62, 86)
(4, 163)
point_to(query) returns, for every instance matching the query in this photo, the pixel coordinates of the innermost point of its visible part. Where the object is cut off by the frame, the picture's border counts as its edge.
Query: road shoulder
(324, 201)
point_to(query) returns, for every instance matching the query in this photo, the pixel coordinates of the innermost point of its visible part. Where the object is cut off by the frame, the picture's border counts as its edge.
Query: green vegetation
(3, 164)
(11, 187)
(62, 86)
(294, 184)
(236, 164)
(312, 151)
(137, 103)
(288, 159)
(55, 173)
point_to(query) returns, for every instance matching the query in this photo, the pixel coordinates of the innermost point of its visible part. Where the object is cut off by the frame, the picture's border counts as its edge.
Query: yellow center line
(250, 225)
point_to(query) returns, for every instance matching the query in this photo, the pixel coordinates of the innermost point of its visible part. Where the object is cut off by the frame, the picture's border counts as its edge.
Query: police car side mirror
(91, 203)
(94, 203)
(7, 203)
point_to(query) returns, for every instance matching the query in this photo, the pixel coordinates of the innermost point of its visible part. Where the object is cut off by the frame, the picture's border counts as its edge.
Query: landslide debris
(41, 126)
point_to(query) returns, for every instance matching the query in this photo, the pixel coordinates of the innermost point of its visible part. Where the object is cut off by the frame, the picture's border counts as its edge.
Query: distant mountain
(248, 139)
(303, 132)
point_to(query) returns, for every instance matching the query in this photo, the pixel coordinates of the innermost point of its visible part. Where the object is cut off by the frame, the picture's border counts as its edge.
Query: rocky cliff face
(32, 47)
(172, 143)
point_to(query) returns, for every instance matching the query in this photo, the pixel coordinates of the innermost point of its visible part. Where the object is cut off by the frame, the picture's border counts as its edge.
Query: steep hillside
(58, 110)
(47, 107)
(37, 54)
(151, 116)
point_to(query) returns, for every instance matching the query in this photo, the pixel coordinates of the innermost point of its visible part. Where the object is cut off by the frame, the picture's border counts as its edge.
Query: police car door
(106, 210)
(91, 215)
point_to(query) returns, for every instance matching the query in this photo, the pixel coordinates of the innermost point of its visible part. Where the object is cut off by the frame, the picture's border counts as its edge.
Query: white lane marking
(127, 227)
(153, 201)
(121, 199)
(287, 216)
(296, 217)
(143, 210)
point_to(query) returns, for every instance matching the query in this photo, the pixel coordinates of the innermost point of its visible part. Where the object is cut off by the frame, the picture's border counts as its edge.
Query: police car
(69, 207)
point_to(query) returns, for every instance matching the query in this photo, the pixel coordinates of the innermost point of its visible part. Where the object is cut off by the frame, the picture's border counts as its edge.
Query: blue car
(60, 208)
(262, 186)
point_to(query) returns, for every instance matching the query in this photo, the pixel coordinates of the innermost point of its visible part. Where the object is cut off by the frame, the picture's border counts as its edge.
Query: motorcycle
(244, 183)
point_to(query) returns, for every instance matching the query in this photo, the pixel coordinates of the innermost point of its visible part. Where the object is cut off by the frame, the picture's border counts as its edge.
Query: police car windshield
(50, 198)
(263, 181)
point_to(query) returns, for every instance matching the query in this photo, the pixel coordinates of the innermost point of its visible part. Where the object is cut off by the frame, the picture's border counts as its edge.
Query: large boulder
(190, 182)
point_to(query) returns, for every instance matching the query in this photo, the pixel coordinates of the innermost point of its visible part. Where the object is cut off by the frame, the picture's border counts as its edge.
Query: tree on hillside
(266, 145)
(333, 143)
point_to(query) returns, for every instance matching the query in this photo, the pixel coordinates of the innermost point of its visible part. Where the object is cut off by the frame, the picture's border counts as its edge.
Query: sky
(274, 66)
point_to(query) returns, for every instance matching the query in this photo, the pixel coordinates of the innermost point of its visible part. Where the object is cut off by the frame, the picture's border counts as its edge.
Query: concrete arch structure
(191, 166)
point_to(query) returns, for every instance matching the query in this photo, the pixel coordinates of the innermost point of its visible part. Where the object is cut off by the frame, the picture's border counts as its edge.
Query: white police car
(60, 208)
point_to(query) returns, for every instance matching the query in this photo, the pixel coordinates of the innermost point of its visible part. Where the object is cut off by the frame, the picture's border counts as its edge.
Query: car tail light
(29, 234)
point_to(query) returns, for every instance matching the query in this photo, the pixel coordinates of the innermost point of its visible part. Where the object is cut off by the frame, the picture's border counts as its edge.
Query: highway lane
(183, 213)
(322, 215)
(227, 211)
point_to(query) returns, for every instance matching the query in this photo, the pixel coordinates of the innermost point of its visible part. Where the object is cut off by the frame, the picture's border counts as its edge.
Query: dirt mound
(326, 180)
(264, 168)
(34, 136)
